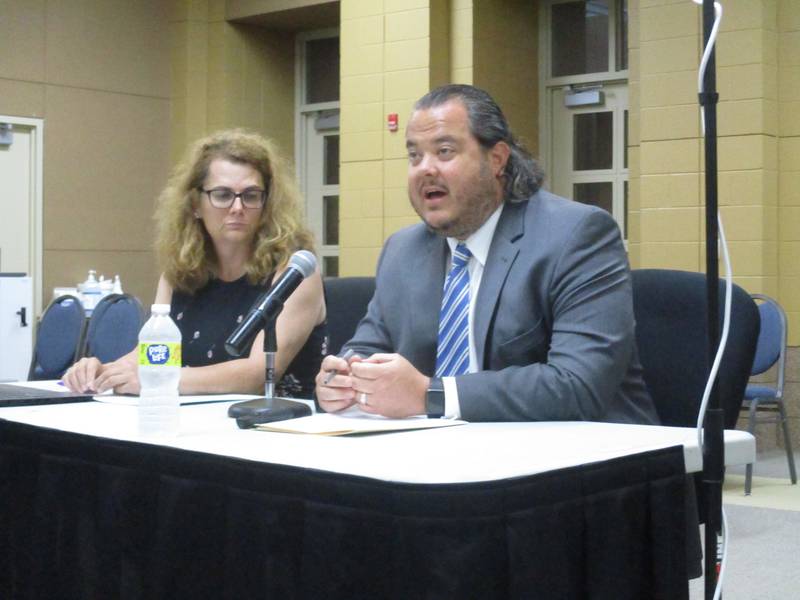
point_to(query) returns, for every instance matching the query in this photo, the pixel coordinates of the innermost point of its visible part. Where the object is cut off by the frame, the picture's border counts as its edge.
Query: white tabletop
(465, 453)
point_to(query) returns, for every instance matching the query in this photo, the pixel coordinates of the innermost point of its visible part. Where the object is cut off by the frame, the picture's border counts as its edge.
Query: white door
(590, 160)
(21, 207)
(317, 139)
(16, 326)
(585, 92)
(321, 185)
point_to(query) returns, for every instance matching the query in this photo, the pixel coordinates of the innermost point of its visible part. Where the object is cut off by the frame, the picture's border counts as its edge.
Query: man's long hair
(522, 176)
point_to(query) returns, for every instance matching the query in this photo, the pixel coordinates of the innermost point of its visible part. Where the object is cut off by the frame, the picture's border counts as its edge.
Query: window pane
(330, 216)
(592, 141)
(331, 160)
(330, 266)
(622, 35)
(596, 194)
(580, 37)
(322, 70)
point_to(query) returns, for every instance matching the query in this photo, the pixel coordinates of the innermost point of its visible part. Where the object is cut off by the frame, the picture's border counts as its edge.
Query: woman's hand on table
(90, 375)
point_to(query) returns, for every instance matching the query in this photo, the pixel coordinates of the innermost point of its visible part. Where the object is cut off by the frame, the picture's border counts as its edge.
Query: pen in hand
(332, 373)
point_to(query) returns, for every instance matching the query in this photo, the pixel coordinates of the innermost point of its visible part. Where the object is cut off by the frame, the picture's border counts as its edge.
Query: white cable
(723, 338)
(712, 38)
(707, 393)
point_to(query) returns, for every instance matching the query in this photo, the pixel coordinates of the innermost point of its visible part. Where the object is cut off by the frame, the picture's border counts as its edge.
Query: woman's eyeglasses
(224, 197)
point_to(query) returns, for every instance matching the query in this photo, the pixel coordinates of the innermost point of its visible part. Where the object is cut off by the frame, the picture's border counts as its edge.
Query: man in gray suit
(542, 303)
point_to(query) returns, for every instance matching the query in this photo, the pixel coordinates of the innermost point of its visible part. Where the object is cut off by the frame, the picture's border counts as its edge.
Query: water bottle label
(166, 355)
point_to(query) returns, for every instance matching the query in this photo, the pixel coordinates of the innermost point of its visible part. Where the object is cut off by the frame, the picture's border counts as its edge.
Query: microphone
(268, 307)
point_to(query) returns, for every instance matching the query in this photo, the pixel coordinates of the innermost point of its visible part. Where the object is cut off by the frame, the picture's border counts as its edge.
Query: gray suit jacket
(553, 327)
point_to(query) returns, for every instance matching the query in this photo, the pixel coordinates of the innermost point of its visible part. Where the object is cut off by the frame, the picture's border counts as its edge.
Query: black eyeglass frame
(240, 196)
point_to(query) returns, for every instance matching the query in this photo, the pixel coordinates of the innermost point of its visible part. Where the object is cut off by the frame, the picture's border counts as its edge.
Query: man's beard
(480, 201)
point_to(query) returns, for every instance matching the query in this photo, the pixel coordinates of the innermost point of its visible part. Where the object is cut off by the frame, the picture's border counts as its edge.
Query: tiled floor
(771, 485)
(764, 533)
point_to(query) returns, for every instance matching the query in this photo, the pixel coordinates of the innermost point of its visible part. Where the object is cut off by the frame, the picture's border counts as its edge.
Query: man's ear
(498, 156)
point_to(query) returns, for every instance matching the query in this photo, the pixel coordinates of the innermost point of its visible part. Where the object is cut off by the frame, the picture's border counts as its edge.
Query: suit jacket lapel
(427, 278)
(502, 253)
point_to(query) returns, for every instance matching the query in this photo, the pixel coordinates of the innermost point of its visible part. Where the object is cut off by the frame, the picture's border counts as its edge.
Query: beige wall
(229, 75)
(505, 53)
(94, 70)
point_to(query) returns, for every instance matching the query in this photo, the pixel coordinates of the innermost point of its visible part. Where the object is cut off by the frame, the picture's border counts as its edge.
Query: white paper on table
(351, 424)
(48, 385)
(122, 400)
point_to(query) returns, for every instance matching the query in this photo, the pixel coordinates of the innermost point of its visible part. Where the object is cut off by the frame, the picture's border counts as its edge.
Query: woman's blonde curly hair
(185, 250)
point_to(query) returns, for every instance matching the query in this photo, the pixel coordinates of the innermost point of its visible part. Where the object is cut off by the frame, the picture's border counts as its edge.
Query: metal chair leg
(748, 479)
(751, 427)
(788, 441)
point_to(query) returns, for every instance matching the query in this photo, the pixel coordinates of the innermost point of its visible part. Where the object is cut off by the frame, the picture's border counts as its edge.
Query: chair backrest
(772, 338)
(113, 328)
(671, 322)
(58, 338)
(347, 299)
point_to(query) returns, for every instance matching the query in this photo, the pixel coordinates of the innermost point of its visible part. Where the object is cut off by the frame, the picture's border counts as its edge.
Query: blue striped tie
(452, 351)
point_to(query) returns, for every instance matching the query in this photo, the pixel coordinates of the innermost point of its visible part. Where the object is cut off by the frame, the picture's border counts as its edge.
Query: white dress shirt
(478, 244)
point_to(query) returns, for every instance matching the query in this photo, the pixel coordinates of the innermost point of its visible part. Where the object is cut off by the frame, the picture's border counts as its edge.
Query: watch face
(434, 399)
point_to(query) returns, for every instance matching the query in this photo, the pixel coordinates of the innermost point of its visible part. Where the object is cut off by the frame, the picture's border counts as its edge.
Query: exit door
(590, 150)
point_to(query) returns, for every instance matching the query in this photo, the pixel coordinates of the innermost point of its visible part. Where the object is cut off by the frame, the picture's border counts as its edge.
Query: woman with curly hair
(228, 222)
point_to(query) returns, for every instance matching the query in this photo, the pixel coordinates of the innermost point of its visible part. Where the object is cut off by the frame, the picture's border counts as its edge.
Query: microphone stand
(713, 425)
(270, 350)
(269, 408)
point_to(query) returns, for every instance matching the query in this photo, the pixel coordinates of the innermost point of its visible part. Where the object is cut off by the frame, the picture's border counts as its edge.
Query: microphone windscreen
(304, 261)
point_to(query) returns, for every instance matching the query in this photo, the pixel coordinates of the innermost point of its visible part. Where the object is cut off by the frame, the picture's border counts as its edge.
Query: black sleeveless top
(207, 317)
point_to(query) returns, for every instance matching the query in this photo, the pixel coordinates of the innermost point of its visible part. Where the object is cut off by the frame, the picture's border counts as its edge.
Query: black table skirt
(84, 517)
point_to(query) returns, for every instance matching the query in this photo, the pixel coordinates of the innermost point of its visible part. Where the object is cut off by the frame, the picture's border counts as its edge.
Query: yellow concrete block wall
(388, 61)
(669, 231)
(634, 128)
(664, 151)
(461, 41)
(361, 173)
(788, 69)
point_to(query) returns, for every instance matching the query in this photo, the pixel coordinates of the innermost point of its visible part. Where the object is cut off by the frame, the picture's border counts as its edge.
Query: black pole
(713, 427)
(270, 351)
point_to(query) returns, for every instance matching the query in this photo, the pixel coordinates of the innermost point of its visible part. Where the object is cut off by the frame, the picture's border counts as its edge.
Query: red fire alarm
(391, 121)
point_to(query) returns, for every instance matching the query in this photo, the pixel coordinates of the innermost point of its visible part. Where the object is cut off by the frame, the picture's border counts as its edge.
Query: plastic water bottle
(117, 288)
(90, 292)
(106, 287)
(159, 374)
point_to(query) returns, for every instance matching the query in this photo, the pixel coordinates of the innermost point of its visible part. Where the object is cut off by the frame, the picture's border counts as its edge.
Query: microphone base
(266, 410)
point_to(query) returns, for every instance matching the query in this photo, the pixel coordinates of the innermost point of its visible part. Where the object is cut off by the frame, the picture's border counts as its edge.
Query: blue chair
(113, 328)
(760, 398)
(58, 338)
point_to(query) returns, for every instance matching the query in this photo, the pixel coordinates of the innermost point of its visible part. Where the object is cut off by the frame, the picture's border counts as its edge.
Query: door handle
(22, 312)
